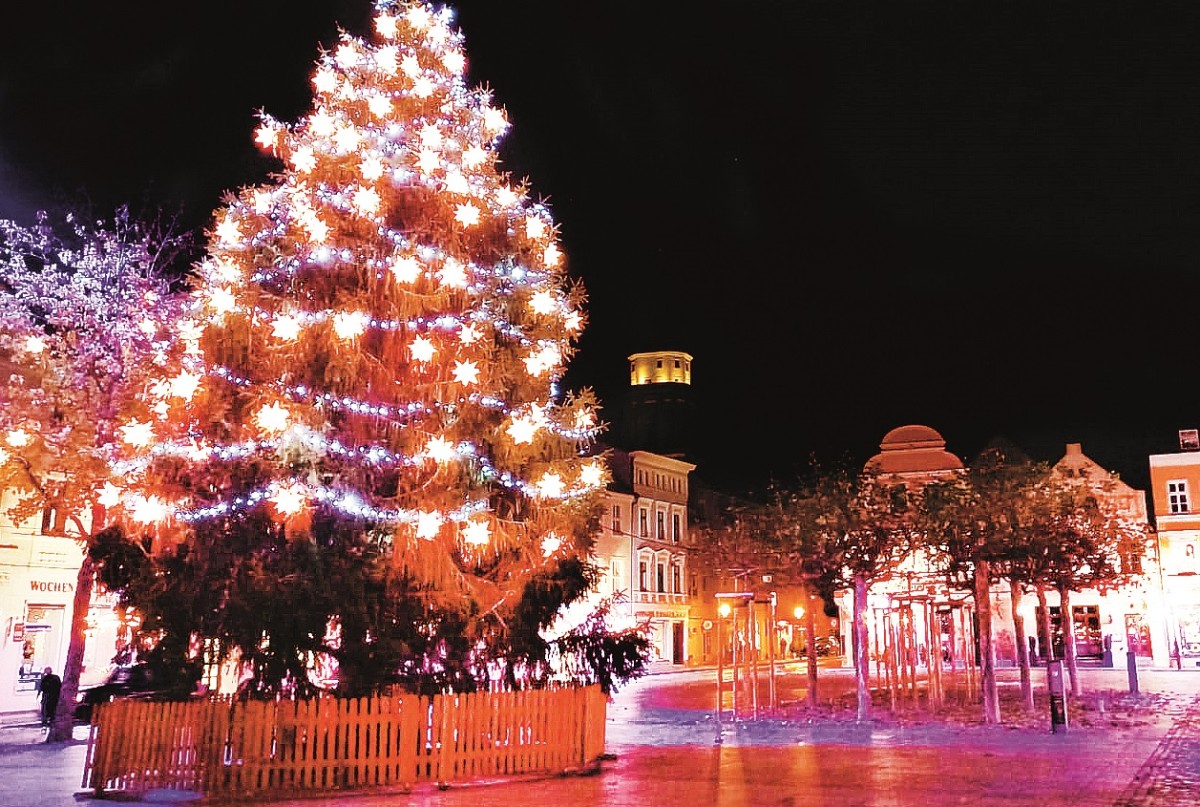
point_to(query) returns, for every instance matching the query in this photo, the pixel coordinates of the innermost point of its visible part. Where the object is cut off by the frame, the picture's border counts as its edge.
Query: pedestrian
(49, 689)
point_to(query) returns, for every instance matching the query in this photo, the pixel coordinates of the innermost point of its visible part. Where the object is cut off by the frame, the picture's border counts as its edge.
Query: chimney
(1189, 440)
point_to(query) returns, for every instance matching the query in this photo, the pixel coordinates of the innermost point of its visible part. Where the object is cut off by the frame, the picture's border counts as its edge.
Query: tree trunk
(987, 654)
(810, 625)
(860, 646)
(1047, 646)
(1068, 623)
(1014, 587)
(64, 718)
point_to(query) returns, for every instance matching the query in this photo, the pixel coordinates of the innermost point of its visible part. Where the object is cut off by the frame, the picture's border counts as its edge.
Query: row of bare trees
(1001, 519)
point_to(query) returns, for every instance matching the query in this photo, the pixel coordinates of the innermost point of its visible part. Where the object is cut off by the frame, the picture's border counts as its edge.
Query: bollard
(1131, 664)
(1058, 696)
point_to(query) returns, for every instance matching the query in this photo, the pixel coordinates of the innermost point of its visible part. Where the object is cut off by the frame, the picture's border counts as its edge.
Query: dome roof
(912, 450)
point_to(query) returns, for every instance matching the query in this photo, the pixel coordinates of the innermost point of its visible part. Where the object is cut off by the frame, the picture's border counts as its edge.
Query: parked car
(126, 681)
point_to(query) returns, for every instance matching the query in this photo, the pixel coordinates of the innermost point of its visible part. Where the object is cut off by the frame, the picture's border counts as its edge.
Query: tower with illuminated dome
(658, 413)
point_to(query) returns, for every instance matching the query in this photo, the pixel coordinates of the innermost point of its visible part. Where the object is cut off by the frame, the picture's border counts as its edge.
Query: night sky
(854, 216)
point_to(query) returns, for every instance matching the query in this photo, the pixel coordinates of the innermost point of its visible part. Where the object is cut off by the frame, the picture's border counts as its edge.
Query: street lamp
(798, 611)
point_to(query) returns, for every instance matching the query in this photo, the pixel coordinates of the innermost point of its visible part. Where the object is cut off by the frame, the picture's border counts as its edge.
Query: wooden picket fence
(243, 749)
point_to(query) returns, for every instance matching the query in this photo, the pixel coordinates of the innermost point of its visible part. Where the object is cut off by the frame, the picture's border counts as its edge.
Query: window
(675, 530)
(1177, 496)
(642, 576)
(660, 575)
(54, 520)
(677, 364)
(676, 586)
(658, 364)
(661, 527)
(643, 523)
(616, 518)
(615, 576)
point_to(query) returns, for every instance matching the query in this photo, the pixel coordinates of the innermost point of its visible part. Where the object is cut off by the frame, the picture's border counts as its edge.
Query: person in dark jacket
(49, 689)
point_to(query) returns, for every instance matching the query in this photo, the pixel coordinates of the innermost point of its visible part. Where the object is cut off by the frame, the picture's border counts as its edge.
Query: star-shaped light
(466, 372)
(325, 80)
(266, 136)
(506, 196)
(380, 105)
(109, 496)
(592, 475)
(457, 183)
(585, 419)
(346, 55)
(542, 302)
(454, 61)
(469, 333)
(419, 17)
(387, 59)
(476, 533)
(35, 345)
(304, 160)
(4, 456)
(385, 24)
(285, 327)
(366, 201)
(147, 510)
(494, 121)
(272, 418)
(551, 485)
(322, 123)
(349, 324)
(429, 525)
(535, 228)
(410, 66)
(347, 139)
(406, 269)
(428, 161)
(422, 349)
(439, 449)
(431, 136)
(473, 156)
(551, 256)
(222, 300)
(262, 201)
(185, 385)
(522, 429)
(573, 321)
(289, 499)
(551, 544)
(228, 231)
(423, 87)
(136, 433)
(466, 214)
(371, 168)
(453, 274)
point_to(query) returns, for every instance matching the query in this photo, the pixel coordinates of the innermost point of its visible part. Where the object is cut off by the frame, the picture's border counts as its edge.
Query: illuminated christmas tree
(359, 450)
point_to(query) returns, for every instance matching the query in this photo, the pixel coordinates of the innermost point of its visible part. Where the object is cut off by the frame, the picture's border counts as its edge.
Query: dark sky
(854, 215)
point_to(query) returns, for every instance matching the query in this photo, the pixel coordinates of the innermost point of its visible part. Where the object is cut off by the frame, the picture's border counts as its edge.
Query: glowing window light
(466, 214)
(429, 524)
(422, 349)
(286, 327)
(18, 438)
(136, 433)
(522, 430)
(551, 485)
(466, 372)
(272, 418)
(542, 302)
(35, 345)
(109, 496)
(406, 269)
(476, 533)
(349, 324)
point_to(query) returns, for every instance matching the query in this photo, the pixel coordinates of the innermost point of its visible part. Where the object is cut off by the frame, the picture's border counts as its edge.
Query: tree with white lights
(360, 453)
(84, 309)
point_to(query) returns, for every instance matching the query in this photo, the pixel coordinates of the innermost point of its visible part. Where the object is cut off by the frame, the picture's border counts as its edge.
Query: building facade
(1175, 484)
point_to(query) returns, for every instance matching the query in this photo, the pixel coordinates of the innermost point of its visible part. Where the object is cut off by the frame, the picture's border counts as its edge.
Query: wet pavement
(666, 748)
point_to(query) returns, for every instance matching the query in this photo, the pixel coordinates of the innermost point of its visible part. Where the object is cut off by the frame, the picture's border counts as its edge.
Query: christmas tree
(358, 451)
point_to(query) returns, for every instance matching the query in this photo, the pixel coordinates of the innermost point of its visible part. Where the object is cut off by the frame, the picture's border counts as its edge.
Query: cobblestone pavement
(1170, 777)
